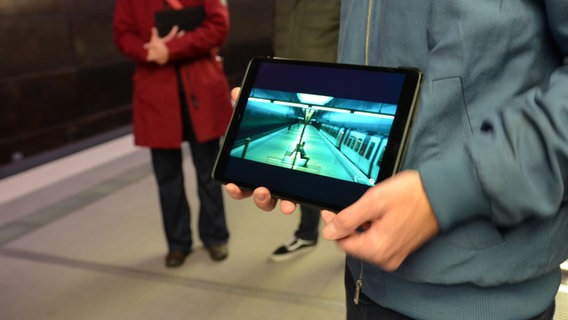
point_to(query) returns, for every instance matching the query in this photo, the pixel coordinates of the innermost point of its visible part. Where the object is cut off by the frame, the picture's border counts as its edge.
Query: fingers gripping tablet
(318, 133)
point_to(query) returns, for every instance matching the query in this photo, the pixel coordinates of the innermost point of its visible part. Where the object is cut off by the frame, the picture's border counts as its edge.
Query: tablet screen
(318, 133)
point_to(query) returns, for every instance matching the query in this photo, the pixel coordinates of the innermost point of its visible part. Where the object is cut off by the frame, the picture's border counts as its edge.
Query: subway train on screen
(365, 150)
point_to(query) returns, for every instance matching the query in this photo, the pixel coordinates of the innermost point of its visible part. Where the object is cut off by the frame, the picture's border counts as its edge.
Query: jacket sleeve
(126, 36)
(211, 34)
(515, 166)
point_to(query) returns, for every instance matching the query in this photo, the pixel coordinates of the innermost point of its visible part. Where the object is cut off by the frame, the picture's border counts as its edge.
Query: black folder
(186, 19)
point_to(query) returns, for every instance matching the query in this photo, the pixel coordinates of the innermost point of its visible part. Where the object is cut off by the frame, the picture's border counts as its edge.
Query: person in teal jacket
(475, 226)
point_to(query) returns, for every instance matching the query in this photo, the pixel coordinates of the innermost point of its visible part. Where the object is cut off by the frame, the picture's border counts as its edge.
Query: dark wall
(251, 35)
(62, 81)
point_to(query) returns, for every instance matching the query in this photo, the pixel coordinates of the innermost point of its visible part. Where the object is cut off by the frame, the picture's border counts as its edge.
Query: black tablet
(316, 133)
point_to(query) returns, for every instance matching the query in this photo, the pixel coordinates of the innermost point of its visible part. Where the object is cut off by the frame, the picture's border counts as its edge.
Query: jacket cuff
(454, 190)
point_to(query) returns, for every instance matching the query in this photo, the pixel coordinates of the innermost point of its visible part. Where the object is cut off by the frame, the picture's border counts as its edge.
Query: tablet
(319, 134)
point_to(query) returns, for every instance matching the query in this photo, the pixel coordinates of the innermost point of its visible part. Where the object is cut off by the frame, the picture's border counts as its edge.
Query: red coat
(156, 106)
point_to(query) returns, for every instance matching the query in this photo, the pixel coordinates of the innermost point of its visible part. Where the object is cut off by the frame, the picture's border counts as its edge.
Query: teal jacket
(491, 144)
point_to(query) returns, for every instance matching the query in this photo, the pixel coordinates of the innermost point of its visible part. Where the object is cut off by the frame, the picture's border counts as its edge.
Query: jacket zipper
(368, 30)
(359, 282)
(358, 285)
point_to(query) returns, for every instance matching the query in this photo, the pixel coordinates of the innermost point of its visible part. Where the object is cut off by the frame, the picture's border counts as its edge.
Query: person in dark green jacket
(307, 30)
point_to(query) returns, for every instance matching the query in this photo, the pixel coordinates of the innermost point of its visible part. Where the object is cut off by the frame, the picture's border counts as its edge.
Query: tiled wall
(63, 81)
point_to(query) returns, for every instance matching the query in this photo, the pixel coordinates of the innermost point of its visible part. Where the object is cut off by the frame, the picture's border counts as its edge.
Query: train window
(357, 145)
(365, 145)
(381, 151)
(370, 151)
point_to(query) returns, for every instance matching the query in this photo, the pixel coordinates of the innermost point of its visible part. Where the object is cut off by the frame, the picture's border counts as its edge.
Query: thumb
(235, 94)
(329, 232)
(327, 216)
(154, 32)
(172, 34)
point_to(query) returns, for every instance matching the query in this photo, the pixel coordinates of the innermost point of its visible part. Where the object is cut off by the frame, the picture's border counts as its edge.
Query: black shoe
(292, 249)
(218, 253)
(175, 259)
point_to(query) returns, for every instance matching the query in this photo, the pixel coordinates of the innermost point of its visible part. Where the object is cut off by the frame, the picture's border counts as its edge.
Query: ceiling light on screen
(313, 99)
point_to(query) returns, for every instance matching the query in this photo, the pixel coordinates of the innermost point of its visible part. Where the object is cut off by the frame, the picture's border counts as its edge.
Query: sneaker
(292, 249)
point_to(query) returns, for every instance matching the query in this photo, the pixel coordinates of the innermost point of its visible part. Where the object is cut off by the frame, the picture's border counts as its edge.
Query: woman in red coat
(180, 94)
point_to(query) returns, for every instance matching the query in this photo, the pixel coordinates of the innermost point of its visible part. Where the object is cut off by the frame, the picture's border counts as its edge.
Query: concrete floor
(81, 238)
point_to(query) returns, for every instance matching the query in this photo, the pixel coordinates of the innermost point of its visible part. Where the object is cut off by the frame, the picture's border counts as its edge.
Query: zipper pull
(358, 286)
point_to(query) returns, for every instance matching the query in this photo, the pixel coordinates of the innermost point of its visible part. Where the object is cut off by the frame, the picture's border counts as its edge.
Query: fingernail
(332, 228)
(329, 231)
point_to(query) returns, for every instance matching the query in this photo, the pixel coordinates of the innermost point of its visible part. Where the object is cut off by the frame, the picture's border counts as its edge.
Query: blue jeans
(168, 169)
(167, 164)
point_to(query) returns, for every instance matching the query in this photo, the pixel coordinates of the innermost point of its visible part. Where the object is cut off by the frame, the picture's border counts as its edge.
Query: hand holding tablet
(320, 134)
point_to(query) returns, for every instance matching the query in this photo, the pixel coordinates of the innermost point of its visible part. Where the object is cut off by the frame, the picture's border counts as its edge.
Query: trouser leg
(309, 223)
(212, 223)
(167, 166)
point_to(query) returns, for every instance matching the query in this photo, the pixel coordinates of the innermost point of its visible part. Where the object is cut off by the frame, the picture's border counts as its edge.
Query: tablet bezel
(305, 188)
